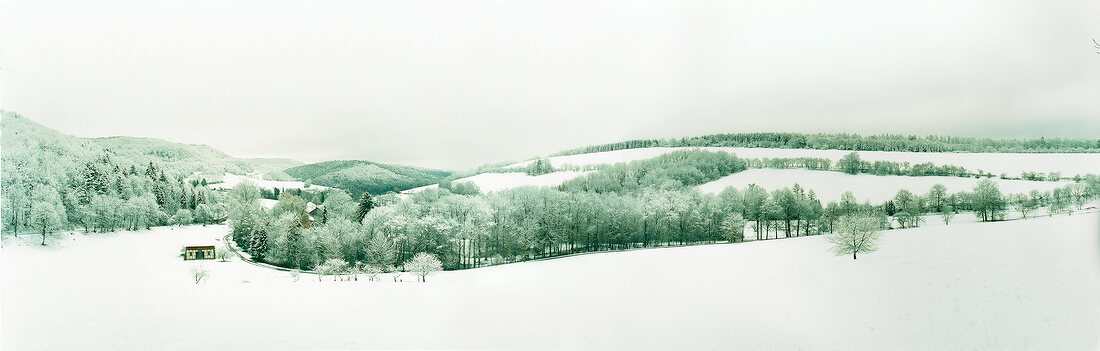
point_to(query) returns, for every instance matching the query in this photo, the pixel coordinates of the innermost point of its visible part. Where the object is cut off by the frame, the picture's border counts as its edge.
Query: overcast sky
(454, 84)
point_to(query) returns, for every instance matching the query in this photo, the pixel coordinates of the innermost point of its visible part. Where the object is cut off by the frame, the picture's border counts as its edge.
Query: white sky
(453, 84)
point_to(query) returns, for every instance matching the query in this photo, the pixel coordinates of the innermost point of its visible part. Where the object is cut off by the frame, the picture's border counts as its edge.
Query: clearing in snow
(490, 182)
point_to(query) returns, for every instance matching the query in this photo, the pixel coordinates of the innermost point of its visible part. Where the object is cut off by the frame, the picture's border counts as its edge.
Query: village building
(205, 252)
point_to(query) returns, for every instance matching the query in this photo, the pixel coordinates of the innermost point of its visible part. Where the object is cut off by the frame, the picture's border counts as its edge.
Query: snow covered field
(830, 185)
(995, 163)
(1025, 284)
(490, 182)
(231, 180)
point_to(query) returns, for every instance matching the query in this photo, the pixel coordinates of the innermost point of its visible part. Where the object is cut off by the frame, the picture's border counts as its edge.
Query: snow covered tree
(1024, 204)
(257, 244)
(380, 251)
(246, 215)
(373, 271)
(289, 203)
(333, 266)
(292, 249)
(734, 227)
(850, 163)
(855, 234)
(771, 211)
(223, 254)
(339, 205)
(181, 218)
(987, 202)
(45, 218)
(423, 264)
(947, 214)
(204, 214)
(936, 198)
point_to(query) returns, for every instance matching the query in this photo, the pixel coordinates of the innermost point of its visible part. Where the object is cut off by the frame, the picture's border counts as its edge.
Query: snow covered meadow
(490, 182)
(829, 186)
(231, 180)
(1021, 284)
(1012, 164)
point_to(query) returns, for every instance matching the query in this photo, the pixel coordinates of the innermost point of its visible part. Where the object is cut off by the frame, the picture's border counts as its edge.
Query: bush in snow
(372, 271)
(223, 254)
(333, 267)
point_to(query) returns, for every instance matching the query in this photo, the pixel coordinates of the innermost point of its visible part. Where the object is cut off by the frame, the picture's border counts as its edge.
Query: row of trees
(884, 142)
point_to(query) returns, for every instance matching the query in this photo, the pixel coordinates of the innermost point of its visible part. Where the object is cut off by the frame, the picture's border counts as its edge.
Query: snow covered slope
(1026, 284)
(231, 180)
(995, 163)
(830, 185)
(489, 182)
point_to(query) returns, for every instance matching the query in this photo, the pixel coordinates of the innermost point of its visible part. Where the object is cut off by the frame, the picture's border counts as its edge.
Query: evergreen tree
(257, 246)
(366, 203)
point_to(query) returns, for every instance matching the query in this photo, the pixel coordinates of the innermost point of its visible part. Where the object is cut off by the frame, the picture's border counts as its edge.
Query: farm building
(205, 252)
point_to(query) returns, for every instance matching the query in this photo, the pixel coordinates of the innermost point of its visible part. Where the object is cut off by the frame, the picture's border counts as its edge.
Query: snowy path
(1027, 284)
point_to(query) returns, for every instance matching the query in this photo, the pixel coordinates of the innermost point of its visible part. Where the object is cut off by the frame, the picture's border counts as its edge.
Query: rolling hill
(357, 176)
(25, 139)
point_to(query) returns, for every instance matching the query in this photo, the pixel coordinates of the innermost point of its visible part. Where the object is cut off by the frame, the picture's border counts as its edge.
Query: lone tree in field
(947, 214)
(199, 273)
(855, 235)
(423, 264)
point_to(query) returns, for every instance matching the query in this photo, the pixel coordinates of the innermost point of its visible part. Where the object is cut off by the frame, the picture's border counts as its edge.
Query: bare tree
(947, 215)
(396, 273)
(334, 267)
(199, 273)
(223, 254)
(372, 271)
(855, 235)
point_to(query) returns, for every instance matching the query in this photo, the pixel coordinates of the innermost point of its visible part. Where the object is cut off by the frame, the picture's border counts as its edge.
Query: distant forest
(357, 177)
(855, 142)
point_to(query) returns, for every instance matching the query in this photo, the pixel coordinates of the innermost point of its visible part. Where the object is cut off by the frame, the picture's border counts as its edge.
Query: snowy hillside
(830, 185)
(489, 182)
(995, 163)
(231, 180)
(1025, 284)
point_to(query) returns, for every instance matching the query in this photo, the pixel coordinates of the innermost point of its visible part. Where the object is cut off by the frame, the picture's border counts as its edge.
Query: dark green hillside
(359, 176)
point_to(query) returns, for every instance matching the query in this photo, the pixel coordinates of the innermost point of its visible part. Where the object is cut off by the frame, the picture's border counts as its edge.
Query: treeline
(884, 142)
(640, 204)
(677, 169)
